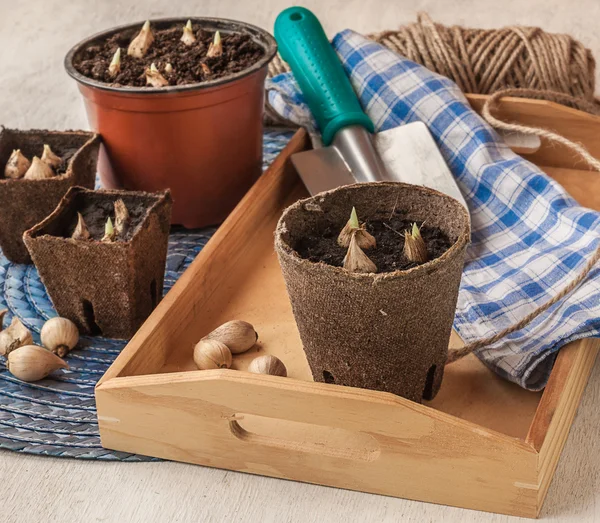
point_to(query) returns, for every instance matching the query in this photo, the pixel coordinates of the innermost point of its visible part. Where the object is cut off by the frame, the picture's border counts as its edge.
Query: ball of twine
(484, 61)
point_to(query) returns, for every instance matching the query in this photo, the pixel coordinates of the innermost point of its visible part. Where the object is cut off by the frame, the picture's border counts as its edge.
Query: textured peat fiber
(387, 331)
(107, 289)
(23, 203)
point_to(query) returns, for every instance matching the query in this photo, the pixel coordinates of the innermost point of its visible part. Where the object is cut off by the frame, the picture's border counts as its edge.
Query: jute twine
(513, 61)
(455, 355)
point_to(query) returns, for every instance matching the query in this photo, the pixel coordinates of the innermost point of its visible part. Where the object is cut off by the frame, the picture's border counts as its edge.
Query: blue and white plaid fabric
(529, 238)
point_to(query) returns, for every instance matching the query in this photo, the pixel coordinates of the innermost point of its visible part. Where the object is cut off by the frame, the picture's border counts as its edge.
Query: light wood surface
(40, 95)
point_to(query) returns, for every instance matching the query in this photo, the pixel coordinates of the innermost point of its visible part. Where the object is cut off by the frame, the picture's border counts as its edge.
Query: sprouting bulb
(17, 165)
(121, 217)
(39, 170)
(154, 78)
(50, 158)
(81, 231)
(115, 64)
(188, 37)
(415, 249)
(216, 47)
(141, 43)
(356, 260)
(364, 239)
(109, 231)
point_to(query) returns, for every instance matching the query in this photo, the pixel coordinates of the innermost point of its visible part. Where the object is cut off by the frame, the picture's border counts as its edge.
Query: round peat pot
(203, 141)
(387, 331)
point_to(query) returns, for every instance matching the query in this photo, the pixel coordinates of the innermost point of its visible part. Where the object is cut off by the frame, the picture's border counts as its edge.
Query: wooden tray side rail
(318, 434)
(327, 434)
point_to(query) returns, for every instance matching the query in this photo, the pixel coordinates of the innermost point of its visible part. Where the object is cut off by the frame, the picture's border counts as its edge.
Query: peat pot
(23, 203)
(386, 331)
(105, 288)
(202, 141)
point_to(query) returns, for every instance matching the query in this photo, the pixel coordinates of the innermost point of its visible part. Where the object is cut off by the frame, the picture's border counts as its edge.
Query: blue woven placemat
(57, 417)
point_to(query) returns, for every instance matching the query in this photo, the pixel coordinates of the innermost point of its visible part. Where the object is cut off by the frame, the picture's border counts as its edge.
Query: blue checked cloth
(529, 237)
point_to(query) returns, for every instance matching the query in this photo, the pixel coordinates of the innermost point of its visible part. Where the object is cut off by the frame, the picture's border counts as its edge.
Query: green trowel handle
(317, 68)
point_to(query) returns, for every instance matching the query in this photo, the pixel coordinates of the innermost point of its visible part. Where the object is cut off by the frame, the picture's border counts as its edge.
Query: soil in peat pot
(239, 53)
(64, 153)
(96, 212)
(388, 255)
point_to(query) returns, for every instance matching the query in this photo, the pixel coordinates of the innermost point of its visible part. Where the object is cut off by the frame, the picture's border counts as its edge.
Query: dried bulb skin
(81, 232)
(50, 158)
(205, 69)
(33, 363)
(267, 365)
(14, 336)
(414, 246)
(356, 260)
(17, 165)
(121, 217)
(154, 78)
(238, 335)
(59, 335)
(188, 37)
(109, 232)
(115, 64)
(141, 43)
(216, 47)
(39, 170)
(363, 237)
(212, 354)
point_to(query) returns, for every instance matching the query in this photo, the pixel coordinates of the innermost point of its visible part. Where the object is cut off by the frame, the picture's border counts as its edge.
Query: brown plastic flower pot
(386, 331)
(201, 141)
(23, 203)
(107, 289)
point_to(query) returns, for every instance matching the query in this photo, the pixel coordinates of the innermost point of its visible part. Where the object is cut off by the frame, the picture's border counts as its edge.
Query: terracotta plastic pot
(111, 288)
(202, 141)
(386, 331)
(23, 203)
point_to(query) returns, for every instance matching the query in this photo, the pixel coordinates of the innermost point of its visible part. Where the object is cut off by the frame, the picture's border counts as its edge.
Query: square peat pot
(482, 443)
(23, 203)
(107, 289)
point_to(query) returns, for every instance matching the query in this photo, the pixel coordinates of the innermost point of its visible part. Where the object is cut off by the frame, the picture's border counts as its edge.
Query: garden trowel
(352, 153)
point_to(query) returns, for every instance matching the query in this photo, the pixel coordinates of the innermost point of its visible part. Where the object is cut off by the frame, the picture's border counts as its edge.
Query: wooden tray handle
(292, 436)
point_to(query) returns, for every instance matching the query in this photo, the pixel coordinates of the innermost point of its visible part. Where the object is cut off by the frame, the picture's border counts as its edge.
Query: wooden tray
(483, 443)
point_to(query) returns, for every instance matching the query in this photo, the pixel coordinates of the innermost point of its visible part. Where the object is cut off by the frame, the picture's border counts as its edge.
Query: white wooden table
(35, 92)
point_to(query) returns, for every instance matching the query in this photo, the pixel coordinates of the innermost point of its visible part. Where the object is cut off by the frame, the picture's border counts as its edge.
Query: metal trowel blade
(322, 169)
(409, 154)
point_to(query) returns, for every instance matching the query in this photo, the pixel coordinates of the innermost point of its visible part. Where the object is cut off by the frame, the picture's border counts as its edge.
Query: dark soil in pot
(96, 209)
(387, 255)
(389, 330)
(190, 63)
